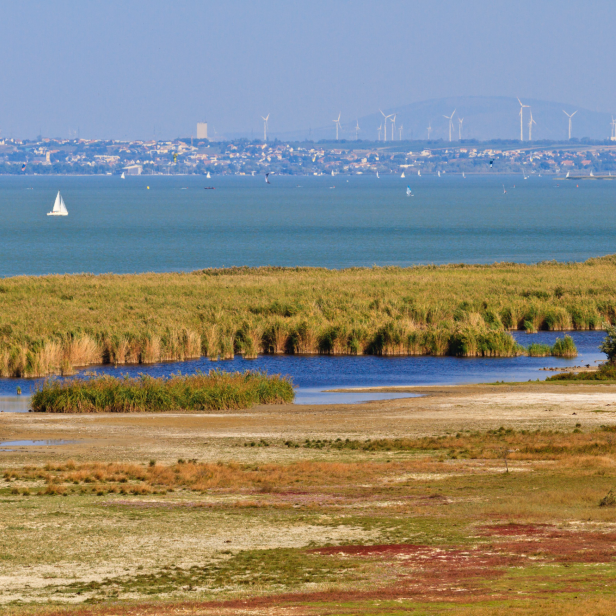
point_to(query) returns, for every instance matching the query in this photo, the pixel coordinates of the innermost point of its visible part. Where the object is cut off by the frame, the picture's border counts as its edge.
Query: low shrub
(216, 390)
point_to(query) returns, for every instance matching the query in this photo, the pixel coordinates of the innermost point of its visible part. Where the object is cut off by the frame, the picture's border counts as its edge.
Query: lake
(117, 225)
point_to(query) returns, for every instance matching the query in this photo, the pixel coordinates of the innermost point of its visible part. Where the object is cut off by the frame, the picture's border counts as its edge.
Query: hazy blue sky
(124, 68)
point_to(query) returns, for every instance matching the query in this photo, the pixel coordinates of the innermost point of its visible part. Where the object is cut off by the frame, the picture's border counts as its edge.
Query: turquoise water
(119, 225)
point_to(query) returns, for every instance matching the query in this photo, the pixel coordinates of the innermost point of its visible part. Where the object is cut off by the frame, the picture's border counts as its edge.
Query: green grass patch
(213, 391)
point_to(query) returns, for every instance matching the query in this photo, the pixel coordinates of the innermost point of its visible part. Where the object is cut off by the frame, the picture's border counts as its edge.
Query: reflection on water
(44, 443)
(15, 404)
(315, 395)
(313, 374)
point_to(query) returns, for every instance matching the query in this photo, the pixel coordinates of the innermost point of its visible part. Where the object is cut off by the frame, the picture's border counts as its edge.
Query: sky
(143, 69)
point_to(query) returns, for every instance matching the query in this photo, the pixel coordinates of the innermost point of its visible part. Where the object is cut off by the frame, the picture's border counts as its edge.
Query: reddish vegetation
(424, 572)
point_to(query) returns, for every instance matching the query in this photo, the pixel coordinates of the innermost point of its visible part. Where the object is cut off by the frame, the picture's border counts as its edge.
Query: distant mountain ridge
(484, 118)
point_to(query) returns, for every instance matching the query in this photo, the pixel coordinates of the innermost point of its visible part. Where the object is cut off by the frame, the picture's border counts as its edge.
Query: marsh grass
(52, 324)
(213, 391)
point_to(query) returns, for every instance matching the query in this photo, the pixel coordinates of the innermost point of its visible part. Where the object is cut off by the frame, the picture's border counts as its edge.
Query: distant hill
(484, 118)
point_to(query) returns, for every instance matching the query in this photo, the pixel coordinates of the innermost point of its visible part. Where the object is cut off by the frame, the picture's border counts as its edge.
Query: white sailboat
(567, 174)
(439, 174)
(409, 192)
(59, 209)
(463, 174)
(592, 175)
(419, 172)
(208, 176)
(402, 175)
(123, 176)
(377, 174)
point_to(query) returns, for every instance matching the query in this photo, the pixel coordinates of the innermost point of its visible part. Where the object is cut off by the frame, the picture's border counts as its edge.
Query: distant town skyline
(150, 69)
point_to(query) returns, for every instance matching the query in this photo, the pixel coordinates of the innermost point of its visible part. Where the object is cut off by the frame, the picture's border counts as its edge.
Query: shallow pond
(315, 374)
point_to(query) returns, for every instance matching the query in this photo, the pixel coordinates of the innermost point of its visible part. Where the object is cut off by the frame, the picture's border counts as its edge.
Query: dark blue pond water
(313, 374)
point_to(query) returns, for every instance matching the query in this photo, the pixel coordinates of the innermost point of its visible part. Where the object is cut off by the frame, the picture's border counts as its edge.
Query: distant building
(134, 169)
(202, 130)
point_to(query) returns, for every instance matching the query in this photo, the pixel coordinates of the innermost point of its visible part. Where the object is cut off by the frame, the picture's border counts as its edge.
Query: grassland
(50, 324)
(281, 516)
(198, 392)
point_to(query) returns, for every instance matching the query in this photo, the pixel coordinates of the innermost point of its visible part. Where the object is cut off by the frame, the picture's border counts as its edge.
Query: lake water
(117, 225)
(121, 226)
(314, 375)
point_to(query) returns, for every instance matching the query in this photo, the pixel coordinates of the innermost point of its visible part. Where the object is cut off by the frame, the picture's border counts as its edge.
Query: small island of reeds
(52, 324)
(198, 392)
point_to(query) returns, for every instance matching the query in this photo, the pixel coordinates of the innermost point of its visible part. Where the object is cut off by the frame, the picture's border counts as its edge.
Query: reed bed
(52, 324)
(213, 391)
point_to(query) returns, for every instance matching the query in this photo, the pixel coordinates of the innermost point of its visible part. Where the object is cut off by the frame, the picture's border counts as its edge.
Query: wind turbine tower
(357, 129)
(400, 129)
(393, 127)
(460, 120)
(337, 125)
(265, 119)
(569, 116)
(521, 119)
(385, 124)
(613, 123)
(450, 118)
(380, 129)
(530, 126)
(429, 129)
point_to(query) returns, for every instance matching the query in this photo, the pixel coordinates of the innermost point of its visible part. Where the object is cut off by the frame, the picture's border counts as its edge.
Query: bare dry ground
(391, 507)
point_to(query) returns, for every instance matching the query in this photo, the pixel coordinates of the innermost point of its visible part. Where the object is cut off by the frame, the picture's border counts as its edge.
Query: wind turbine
(357, 129)
(429, 129)
(521, 119)
(265, 119)
(569, 116)
(530, 126)
(385, 123)
(460, 120)
(337, 125)
(400, 129)
(450, 118)
(380, 129)
(393, 127)
(613, 123)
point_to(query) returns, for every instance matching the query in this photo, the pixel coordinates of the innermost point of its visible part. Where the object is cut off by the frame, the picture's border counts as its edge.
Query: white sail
(591, 174)
(123, 176)
(567, 174)
(59, 207)
(418, 172)
(402, 175)
(377, 174)
(439, 174)
(208, 176)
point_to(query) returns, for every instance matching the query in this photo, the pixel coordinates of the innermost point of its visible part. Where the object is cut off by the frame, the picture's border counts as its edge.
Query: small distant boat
(402, 175)
(409, 192)
(592, 174)
(463, 174)
(267, 178)
(418, 172)
(210, 187)
(123, 176)
(439, 174)
(59, 208)
(333, 172)
(504, 190)
(208, 176)
(377, 174)
(567, 174)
